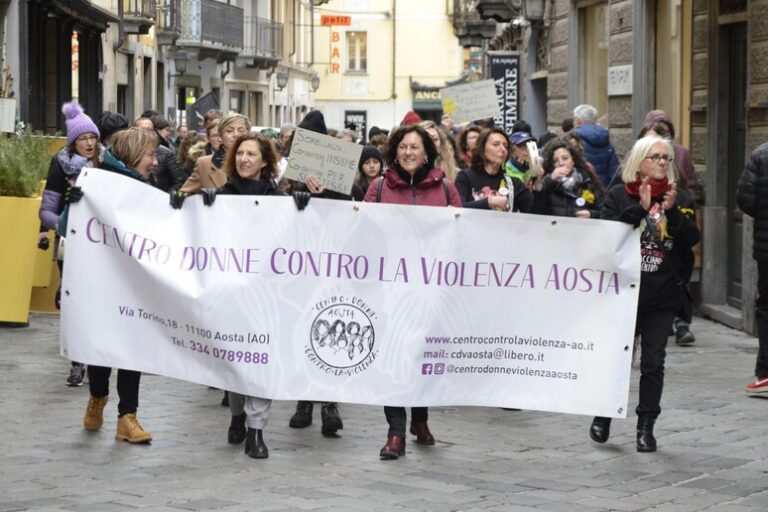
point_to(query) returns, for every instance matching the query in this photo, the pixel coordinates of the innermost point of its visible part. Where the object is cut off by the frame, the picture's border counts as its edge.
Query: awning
(83, 11)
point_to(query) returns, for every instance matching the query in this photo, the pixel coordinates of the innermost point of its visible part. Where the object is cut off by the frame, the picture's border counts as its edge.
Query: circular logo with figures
(342, 338)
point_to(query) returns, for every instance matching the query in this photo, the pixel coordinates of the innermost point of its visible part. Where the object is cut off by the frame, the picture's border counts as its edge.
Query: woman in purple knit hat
(82, 150)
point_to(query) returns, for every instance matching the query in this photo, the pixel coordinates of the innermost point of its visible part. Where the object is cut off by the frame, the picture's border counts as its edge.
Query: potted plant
(24, 160)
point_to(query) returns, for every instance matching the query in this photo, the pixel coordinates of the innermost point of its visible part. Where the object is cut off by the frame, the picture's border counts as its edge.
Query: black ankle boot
(645, 440)
(236, 432)
(302, 418)
(254, 445)
(600, 429)
(331, 419)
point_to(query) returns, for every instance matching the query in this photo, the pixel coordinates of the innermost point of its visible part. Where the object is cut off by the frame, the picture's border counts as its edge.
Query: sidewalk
(713, 447)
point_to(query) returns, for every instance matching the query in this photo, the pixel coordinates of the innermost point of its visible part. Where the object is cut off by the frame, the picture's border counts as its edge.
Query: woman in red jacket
(411, 178)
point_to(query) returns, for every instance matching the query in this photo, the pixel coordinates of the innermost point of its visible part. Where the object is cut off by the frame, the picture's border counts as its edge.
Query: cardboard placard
(330, 160)
(469, 102)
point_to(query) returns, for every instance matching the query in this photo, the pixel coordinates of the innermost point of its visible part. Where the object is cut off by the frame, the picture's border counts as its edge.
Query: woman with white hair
(649, 199)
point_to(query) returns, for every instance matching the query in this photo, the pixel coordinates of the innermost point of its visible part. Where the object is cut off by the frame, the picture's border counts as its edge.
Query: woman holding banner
(411, 178)
(485, 185)
(251, 168)
(649, 199)
(132, 154)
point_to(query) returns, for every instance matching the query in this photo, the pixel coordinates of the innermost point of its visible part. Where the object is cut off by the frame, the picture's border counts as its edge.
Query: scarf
(72, 165)
(658, 187)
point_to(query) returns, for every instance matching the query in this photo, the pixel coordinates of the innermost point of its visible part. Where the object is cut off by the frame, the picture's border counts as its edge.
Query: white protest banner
(352, 302)
(332, 161)
(469, 102)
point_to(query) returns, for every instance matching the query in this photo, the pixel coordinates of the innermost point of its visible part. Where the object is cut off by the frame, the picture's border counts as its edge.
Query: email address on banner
(522, 341)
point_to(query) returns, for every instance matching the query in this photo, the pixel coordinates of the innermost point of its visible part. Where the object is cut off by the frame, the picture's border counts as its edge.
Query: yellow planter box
(19, 226)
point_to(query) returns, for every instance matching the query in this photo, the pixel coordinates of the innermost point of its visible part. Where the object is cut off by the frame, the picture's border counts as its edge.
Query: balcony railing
(140, 8)
(169, 17)
(263, 39)
(211, 25)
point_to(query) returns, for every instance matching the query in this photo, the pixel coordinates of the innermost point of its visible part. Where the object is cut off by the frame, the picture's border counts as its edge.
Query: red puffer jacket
(428, 192)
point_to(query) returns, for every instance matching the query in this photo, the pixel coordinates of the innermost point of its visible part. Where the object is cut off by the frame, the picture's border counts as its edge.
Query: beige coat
(205, 175)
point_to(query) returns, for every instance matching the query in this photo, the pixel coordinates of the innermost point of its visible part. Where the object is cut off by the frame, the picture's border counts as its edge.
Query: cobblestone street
(713, 447)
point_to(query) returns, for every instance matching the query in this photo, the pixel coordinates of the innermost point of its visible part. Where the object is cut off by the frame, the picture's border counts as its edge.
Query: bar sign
(328, 20)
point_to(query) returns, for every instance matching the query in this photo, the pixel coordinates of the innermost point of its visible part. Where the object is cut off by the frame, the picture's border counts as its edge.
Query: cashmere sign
(348, 302)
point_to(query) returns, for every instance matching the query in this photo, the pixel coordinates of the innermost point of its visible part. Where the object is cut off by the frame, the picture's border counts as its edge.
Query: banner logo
(342, 338)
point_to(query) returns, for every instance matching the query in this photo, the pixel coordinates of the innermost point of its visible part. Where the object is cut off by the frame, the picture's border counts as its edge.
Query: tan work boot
(94, 413)
(128, 429)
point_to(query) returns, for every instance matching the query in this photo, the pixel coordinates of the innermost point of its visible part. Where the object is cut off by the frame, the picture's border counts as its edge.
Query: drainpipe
(394, 47)
(293, 17)
(120, 30)
(312, 35)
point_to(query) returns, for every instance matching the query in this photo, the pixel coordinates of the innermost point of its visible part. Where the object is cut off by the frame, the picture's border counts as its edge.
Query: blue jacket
(598, 150)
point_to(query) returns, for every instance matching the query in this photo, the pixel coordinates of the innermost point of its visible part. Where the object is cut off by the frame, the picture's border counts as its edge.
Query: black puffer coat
(752, 195)
(169, 174)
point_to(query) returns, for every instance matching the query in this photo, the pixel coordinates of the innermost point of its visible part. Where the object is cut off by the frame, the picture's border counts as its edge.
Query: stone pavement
(713, 447)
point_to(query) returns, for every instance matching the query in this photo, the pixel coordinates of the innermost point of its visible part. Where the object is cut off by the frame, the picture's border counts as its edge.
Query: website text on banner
(363, 303)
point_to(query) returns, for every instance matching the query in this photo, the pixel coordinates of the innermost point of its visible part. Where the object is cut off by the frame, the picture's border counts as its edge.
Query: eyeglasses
(151, 154)
(86, 138)
(660, 159)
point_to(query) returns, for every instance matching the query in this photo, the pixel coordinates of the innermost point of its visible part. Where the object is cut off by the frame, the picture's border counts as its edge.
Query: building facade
(133, 55)
(702, 61)
(378, 59)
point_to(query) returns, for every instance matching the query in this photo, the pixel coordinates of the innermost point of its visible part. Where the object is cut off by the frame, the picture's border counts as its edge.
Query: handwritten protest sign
(468, 102)
(332, 161)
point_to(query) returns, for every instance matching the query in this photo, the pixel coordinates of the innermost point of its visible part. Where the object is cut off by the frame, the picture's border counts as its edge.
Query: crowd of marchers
(574, 173)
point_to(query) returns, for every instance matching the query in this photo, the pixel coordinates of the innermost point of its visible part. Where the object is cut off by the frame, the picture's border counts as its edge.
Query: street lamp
(533, 10)
(180, 61)
(314, 82)
(282, 79)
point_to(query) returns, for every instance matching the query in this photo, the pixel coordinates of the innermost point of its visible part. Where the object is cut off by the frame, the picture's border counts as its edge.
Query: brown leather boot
(422, 433)
(394, 448)
(94, 413)
(128, 429)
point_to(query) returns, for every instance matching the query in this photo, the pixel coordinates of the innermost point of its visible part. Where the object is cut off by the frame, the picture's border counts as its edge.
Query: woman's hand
(313, 184)
(498, 203)
(645, 194)
(583, 214)
(559, 173)
(670, 196)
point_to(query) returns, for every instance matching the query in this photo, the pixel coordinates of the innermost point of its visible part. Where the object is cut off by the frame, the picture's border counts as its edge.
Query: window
(357, 52)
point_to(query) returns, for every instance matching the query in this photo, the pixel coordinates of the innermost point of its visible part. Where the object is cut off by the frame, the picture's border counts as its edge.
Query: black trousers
(761, 318)
(653, 327)
(127, 387)
(396, 417)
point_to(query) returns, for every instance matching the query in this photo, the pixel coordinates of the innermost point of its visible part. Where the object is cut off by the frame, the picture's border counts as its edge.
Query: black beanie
(369, 152)
(315, 122)
(110, 123)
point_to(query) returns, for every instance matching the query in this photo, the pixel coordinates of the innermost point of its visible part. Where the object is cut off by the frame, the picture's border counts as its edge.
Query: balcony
(138, 16)
(168, 27)
(212, 28)
(501, 11)
(468, 26)
(263, 43)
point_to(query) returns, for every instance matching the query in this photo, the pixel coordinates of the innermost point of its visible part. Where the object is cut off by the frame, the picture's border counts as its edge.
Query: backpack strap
(379, 186)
